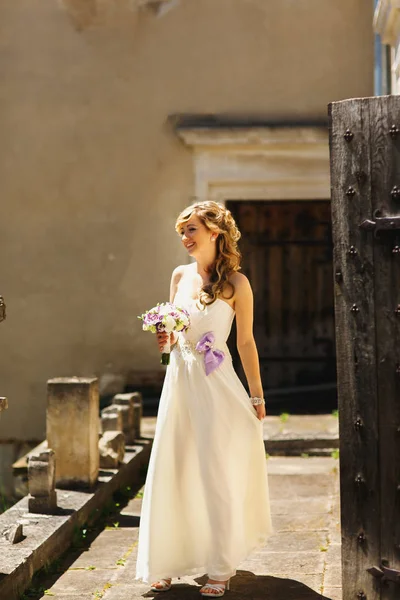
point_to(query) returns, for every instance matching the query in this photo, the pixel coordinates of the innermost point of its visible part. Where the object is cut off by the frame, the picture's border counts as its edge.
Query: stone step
(301, 434)
(46, 537)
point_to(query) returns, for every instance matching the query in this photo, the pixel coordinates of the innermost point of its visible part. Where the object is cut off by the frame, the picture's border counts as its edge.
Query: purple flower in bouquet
(165, 317)
(151, 319)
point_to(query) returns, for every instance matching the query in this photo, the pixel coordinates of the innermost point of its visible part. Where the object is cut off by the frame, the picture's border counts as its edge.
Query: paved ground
(301, 561)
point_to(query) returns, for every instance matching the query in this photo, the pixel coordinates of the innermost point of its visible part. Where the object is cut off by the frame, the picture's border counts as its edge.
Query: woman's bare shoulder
(240, 281)
(178, 273)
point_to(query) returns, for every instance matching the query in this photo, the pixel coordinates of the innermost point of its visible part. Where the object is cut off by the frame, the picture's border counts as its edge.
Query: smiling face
(196, 237)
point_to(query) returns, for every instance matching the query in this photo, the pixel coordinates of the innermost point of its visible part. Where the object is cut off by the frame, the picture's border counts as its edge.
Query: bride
(206, 503)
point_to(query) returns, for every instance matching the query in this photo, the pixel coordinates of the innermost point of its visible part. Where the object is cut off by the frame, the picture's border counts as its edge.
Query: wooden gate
(365, 177)
(287, 256)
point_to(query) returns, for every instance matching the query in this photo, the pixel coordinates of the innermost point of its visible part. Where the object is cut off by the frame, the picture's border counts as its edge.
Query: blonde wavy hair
(217, 219)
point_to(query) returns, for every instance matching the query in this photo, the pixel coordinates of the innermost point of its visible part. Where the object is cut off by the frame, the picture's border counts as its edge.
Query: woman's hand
(162, 339)
(260, 410)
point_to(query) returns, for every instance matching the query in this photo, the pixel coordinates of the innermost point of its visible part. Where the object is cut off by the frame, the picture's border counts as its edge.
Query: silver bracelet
(257, 401)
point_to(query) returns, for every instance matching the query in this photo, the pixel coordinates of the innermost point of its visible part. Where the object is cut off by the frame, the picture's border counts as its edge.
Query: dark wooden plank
(294, 339)
(355, 346)
(385, 173)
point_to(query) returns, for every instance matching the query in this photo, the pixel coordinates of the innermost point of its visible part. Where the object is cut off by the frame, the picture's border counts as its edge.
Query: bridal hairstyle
(217, 219)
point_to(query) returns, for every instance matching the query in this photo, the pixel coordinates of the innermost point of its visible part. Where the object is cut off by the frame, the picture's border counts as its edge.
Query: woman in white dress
(206, 503)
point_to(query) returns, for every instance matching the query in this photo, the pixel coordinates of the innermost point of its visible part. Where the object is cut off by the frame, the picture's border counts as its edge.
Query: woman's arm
(175, 279)
(246, 344)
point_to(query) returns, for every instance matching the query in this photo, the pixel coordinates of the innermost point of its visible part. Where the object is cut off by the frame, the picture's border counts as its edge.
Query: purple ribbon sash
(212, 358)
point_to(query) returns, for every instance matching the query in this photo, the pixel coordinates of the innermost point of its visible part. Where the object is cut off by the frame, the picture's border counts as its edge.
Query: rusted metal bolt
(354, 309)
(359, 480)
(396, 250)
(395, 193)
(358, 425)
(361, 539)
(352, 250)
(350, 192)
(348, 136)
(394, 131)
(361, 596)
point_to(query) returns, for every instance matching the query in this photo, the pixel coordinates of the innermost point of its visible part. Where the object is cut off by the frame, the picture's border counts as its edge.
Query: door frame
(233, 160)
(269, 162)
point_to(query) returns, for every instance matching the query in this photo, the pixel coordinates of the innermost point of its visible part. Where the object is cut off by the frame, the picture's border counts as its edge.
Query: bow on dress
(212, 358)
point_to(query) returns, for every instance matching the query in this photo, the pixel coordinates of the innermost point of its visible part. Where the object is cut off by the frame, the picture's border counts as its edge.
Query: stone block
(334, 593)
(112, 419)
(41, 473)
(126, 402)
(123, 399)
(333, 574)
(73, 430)
(41, 482)
(138, 412)
(14, 534)
(137, 419)
(111, 449)
(44, 505)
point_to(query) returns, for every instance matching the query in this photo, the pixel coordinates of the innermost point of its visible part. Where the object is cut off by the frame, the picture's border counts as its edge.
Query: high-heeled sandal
(164, 585)
(216, 590)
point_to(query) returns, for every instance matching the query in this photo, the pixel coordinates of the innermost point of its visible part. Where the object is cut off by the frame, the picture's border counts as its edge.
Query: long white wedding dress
(206, 502)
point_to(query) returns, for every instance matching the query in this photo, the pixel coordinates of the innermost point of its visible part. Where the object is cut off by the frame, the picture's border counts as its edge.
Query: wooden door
(365, 174)
(287, 255)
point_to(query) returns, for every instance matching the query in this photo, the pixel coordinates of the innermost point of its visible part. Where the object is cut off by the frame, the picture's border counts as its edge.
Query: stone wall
(93, 174)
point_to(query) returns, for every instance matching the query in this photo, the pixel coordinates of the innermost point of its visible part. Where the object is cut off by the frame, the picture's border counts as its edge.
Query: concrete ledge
(289, 435)
(49, 536)
(293, 435)
(295, 446)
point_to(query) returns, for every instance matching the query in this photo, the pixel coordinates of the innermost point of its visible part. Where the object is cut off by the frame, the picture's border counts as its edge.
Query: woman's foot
(163, 585)
(214, 588)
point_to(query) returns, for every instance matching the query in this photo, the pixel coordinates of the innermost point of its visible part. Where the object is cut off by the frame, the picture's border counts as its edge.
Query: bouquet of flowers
(165, 317)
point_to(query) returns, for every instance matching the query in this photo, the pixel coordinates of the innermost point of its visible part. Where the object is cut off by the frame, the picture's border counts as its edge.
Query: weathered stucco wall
(92, 176)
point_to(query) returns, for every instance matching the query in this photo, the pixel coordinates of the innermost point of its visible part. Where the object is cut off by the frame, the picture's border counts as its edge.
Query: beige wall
(92, 176)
